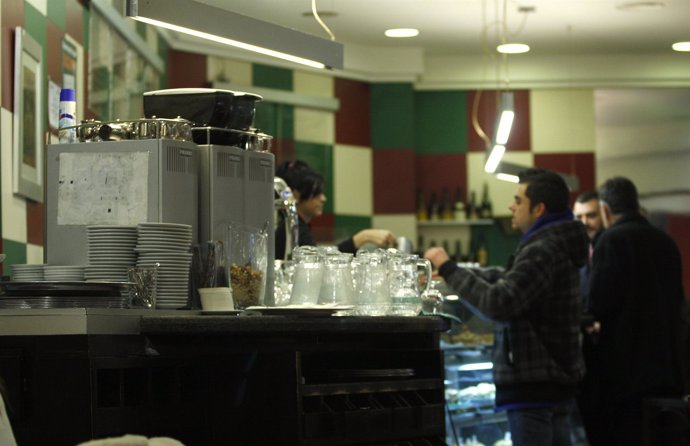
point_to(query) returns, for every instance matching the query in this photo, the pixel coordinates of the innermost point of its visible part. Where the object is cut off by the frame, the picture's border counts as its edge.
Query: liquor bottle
(448, 210)
(446, 246)
(457, 256)
(422, 211)
(486, 211)
(482, 253)
(472, 208)
(459, 206)
(433, 207)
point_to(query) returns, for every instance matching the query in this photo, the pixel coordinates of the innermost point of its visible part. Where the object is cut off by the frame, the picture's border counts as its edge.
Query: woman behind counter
(307, 187)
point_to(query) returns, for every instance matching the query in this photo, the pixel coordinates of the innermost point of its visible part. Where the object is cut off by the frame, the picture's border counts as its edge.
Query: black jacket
(636, 292)
(536, 304)
(306, 238)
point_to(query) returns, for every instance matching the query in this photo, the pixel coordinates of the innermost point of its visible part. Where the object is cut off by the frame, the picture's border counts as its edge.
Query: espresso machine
(236, 168)
(120, 173)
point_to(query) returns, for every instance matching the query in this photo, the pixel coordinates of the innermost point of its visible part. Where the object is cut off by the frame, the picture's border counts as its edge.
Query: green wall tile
(440, 122)
(392, 116)
(271, 77)
(499, 244)
(320, 158)
(16, 253)
(58, 13)
(347, 226)
(277, 120)
(163, 54)
(35, 25)
(86, 19)
(140, 28)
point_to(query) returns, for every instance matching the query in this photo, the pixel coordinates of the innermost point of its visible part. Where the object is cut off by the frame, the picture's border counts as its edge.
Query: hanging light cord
(318, 19)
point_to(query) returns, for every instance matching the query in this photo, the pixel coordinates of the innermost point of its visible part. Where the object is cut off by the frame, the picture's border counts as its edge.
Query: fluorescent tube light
(494, 158)
(512, 48)
(681, 46)
(401, 32)
(508, 177)
(229, 28)
(505, 118)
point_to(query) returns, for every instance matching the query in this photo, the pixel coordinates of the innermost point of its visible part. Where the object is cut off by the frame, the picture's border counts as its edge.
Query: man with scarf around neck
(536, 307)
(636, 293)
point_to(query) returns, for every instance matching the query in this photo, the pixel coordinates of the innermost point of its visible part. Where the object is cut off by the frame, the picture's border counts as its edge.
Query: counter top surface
(102, 321)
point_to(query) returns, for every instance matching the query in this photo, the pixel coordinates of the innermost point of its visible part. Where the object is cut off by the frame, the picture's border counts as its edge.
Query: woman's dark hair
(620, 194)
(545, 186)
(301, 178)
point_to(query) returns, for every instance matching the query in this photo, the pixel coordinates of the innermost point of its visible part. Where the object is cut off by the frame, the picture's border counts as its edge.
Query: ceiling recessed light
(681, 46)
(512, 48)
(641, 5)
(402, 32)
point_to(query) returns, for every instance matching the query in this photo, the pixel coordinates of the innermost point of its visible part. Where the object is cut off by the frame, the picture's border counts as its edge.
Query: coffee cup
(216, 299)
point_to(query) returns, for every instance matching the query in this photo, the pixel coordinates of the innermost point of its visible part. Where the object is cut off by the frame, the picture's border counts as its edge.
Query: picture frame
(27, 175)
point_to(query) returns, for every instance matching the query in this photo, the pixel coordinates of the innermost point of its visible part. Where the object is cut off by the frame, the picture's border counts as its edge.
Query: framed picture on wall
(27, 175)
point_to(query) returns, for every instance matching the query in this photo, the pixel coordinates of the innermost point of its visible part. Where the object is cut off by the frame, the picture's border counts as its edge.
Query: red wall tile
(54, 52)
(434, 172)
(352, 120)
(323, 228)
(486, 115)
(580, 164)
(678, 227)
(75, 21)
(186, 70)
(394, 181)
(34, 222)
(283, 149)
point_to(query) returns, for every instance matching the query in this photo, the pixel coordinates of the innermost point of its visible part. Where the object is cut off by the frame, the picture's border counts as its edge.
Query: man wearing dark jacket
(636, 293)
(536, 305)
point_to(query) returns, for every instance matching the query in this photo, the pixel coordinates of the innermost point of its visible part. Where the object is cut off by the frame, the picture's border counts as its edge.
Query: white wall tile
(501, 192)
(34, 253)
(402, 225)
(229, 71)
(352, 180)
(13, 207)
(314, 126)
(562, 121)
(40, 5)
(312, 84)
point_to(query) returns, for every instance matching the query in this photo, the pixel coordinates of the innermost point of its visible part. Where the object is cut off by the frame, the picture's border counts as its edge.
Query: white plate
(164, 225)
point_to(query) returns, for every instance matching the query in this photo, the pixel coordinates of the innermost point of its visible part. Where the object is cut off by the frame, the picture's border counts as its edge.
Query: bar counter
(244, 379)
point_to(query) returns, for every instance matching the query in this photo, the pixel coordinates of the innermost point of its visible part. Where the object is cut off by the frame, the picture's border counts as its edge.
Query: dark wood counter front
(220, 380)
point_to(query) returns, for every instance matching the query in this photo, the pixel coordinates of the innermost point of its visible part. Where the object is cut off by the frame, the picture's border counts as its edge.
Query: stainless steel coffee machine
(103, 181)
(236, 168)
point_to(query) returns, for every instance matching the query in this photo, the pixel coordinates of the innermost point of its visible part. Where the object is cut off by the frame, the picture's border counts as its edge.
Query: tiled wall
(387, 141)
(384, 143)
(46, 22)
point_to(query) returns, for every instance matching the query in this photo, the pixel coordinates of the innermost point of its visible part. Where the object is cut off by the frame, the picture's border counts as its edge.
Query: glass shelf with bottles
(442, 223)
(444, 212)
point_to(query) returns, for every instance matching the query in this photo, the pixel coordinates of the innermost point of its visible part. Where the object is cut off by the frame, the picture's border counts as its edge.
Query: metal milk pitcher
(404, 279)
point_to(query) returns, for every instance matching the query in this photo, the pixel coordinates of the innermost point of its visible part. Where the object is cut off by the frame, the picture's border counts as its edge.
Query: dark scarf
(547, 220)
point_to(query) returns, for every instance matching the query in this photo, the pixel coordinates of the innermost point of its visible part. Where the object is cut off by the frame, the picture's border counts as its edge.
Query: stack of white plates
(64, 273)
(111, 252)
(168, 245)
(26, 273)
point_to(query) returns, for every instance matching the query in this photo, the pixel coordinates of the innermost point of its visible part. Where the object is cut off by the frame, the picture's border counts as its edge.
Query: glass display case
(470, 391)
